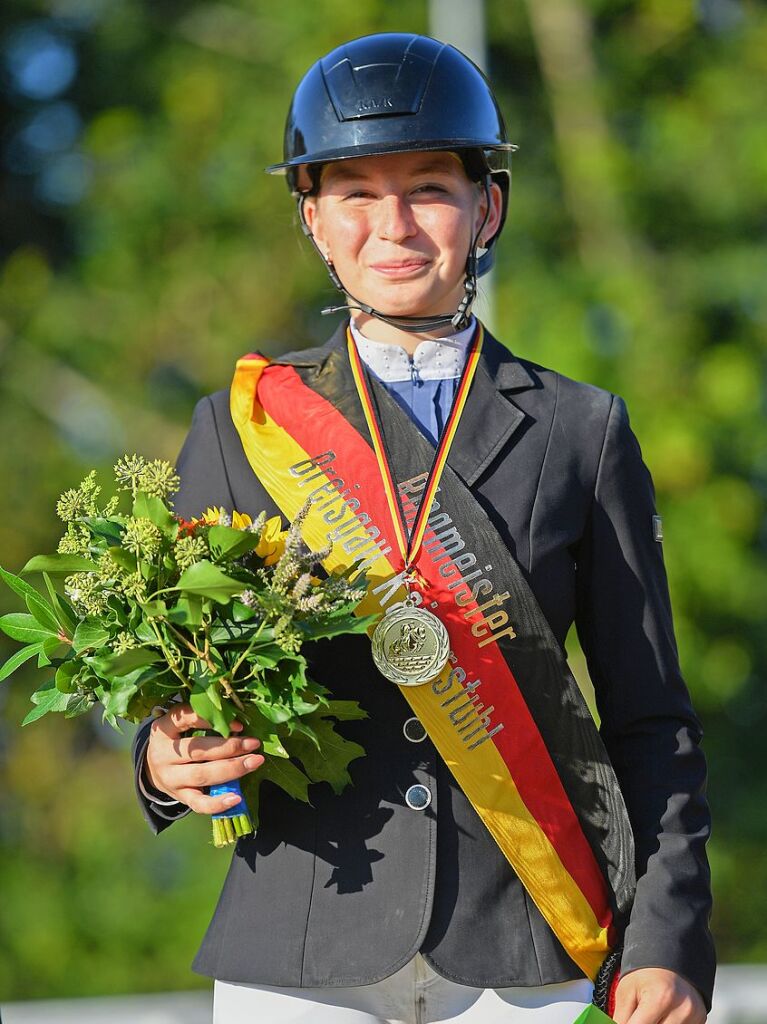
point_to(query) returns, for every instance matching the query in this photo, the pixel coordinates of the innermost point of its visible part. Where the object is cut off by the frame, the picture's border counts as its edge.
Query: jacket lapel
(489, 420)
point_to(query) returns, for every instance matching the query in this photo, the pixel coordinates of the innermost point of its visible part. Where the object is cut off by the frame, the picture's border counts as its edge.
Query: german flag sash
(505, 714)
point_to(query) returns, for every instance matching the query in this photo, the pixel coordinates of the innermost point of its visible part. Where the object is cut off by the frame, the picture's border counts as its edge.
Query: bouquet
(212, 611)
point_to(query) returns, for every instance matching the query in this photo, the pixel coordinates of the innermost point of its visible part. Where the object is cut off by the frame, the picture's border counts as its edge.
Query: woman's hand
(183, 766)
(654, 995)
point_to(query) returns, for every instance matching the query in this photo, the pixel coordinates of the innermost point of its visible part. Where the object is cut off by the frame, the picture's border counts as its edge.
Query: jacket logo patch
(657, 528)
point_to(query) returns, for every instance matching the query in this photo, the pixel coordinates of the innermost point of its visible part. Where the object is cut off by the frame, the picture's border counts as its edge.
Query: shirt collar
(434, 358)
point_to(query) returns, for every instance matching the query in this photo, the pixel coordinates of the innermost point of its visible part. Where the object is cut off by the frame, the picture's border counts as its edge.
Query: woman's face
(398, 228)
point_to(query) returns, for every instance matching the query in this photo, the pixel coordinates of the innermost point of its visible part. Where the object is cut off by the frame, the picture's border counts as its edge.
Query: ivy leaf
(59, 564)
(65, 675)
(344, 710)
(225, 541)
(148, 697)
(208, 704)
(25, 627)
(187, 611)
(155, 609)
(144, 632)
(267, 655)
(274, 694)
(46, 699)
(147, 506)
(118, 693)
(331, 761)
(342, 620)
(77, 704)
(107, 716)
(124, 559)
(207, 580)
(110, 529)
(272, 744)
(259, 727)
(274, 712)
(233, 631)
(242, 612)
(114, 666)
(18, 659)
(305, 707)
(89, 634)
(287, 776)
(305, 730)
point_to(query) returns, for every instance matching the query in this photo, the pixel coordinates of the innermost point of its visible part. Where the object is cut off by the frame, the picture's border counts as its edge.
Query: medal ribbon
(410, 546)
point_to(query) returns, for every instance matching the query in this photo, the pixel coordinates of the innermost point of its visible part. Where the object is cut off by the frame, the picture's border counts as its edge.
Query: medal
(411, 645)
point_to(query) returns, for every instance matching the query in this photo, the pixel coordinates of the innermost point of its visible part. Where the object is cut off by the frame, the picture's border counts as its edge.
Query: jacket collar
(489, 418)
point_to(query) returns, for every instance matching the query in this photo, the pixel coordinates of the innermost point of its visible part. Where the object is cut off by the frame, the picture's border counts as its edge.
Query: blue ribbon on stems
(229, 825)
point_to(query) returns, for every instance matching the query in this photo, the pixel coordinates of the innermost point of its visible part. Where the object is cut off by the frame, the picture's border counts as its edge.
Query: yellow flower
(211, 516)
(272, 541)
(240, 520)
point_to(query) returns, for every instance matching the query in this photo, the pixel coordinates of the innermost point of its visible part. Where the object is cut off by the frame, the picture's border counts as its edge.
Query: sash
(505, 714)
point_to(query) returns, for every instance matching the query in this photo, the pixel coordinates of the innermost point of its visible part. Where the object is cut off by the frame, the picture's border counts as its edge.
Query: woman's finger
(201, 803)
(626, 1002)
(211, 748)
(210, 773)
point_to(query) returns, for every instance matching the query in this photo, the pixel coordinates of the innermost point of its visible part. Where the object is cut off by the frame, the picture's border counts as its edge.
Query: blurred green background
(143, 250)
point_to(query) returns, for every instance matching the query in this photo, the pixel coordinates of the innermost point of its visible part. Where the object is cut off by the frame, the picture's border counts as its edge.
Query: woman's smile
(400, 268)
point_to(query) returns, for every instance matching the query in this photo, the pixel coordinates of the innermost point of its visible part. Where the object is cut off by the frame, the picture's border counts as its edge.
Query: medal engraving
(410, 645)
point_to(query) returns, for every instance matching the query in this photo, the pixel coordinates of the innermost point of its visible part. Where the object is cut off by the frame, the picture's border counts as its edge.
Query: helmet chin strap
(413, 324)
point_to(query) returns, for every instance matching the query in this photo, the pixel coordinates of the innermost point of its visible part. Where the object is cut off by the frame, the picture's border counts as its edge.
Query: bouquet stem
(234, 822)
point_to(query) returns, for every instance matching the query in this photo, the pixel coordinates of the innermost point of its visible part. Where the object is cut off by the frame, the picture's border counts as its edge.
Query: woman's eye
(430, 188)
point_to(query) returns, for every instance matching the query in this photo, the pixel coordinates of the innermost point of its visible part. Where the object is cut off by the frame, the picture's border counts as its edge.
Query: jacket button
(414, 730)
(418, 797)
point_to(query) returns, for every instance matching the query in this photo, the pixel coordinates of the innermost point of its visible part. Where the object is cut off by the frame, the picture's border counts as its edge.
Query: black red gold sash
(505, 714)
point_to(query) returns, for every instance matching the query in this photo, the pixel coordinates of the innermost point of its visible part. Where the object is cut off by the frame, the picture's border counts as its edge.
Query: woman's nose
(395, 219)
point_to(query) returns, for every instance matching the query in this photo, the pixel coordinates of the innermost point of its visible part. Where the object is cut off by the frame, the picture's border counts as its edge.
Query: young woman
(497, 858)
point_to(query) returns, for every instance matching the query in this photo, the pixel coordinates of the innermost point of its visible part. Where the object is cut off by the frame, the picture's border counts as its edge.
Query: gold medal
(410, 644)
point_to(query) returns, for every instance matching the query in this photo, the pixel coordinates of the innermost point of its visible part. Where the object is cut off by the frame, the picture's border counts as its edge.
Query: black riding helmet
(397, 93)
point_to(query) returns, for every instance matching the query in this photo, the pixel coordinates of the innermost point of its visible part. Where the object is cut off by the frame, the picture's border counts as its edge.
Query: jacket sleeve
(159, 809)
(204, 482)
(651, 732)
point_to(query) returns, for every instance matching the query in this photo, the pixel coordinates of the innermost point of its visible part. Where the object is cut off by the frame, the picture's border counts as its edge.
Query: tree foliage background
(143, 250)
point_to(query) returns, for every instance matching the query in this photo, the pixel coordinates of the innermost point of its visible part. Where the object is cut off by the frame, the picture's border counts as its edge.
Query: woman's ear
(496, 208)
(314, 223)
(310, 212)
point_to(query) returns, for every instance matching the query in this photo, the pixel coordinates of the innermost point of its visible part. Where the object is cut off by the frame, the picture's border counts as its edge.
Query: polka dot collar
(434, 358)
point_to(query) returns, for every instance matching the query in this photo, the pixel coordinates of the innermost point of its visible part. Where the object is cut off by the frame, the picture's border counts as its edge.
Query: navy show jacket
(344, 892)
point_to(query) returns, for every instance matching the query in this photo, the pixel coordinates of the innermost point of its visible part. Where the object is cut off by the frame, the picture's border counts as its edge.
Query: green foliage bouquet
(210, 611)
